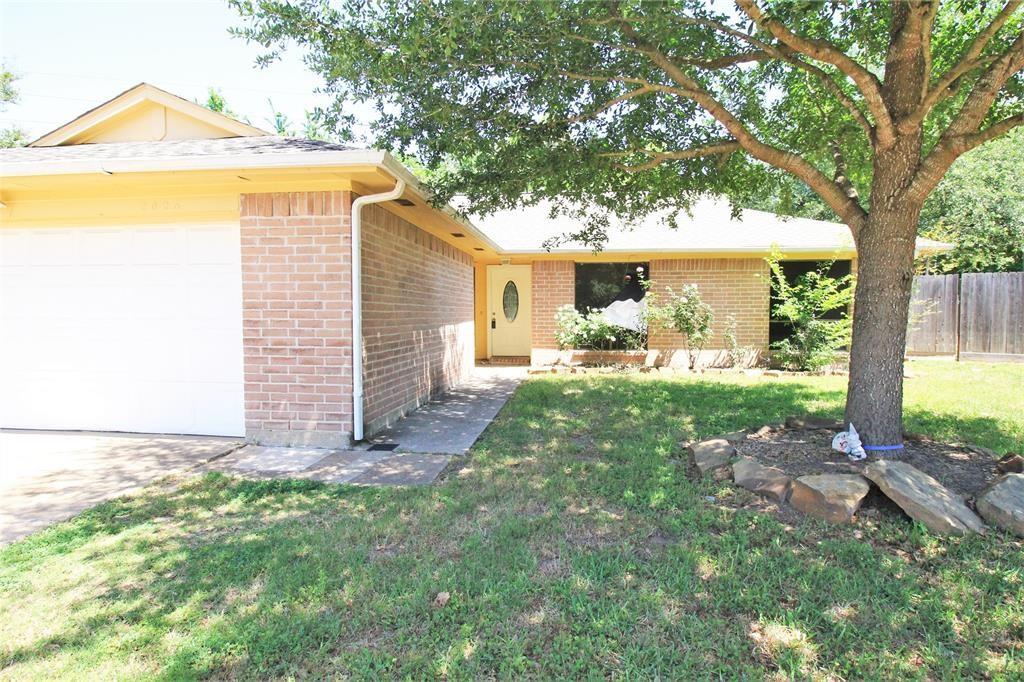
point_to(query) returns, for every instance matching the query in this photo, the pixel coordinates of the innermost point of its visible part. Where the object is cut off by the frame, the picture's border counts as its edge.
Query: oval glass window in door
(510, 301)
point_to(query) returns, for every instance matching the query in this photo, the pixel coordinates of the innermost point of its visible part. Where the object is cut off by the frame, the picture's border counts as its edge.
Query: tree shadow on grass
(644, 576)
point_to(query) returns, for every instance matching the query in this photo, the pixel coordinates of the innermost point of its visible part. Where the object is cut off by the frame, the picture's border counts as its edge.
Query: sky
(74, 55)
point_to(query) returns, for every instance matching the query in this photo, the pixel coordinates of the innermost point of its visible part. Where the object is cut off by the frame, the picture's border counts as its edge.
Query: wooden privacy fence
(977, 316)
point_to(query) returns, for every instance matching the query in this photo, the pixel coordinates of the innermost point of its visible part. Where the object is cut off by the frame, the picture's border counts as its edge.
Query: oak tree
(631, 106)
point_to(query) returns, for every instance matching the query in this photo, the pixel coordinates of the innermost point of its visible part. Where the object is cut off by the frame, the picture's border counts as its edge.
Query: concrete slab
(343, 466)
(404, 469)
(453, 422)
(50, 476)
(275, 460)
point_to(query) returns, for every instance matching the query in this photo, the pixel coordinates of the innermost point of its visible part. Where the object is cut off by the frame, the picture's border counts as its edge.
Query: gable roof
(709, 227)
(134, 101)
(66, 158)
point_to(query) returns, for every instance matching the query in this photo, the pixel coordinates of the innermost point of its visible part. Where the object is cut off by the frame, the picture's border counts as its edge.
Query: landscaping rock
(832, 497)
(735, 437)
(756, 477)
(1002, 504)
(1010, 463)
(712, 454)
(924, 498)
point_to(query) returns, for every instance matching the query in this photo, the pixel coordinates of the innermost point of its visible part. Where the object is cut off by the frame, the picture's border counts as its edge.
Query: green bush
(815, 340)
(574, 330)
(685, 313)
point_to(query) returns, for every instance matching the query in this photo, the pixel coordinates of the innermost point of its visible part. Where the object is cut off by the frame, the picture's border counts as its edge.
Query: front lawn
(572, 544)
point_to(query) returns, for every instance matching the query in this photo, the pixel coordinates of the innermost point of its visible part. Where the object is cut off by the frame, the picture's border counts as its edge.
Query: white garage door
(122, 329)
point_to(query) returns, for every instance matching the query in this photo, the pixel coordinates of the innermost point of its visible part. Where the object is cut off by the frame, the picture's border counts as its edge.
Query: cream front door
(509, 305)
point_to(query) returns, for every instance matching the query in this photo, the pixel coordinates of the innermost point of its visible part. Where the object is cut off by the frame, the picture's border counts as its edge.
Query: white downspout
(357, 300)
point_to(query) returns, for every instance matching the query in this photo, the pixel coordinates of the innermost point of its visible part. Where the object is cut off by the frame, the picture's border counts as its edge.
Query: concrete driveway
(46, 476)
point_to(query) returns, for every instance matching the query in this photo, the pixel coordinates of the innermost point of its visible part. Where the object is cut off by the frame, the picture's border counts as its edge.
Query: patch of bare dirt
(800, 452)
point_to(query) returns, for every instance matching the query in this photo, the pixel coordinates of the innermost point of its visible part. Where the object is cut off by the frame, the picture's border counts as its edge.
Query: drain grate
(386, 447)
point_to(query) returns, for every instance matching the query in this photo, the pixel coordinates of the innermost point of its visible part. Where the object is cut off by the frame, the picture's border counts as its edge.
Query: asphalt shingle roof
(708, 227)
(268, 144)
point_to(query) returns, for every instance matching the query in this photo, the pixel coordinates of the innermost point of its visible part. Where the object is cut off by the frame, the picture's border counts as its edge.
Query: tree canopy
(631, 106)
(979, 208)
(635, 106)
(11, 136)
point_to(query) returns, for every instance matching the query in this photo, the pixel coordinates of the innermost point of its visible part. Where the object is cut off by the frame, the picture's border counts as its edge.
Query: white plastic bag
(848, 442)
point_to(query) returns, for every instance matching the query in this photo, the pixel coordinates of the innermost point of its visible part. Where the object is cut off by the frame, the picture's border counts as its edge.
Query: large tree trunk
(885, 271)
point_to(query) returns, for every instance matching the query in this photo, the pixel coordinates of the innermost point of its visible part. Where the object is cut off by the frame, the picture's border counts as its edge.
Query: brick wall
(554, 285)
(297, 334)
(737, 286)
(417, 316)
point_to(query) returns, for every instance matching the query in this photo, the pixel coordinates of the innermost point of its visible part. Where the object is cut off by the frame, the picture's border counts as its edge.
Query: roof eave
(320, 159)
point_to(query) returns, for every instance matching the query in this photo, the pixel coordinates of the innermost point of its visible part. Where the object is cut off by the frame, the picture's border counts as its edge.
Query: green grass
(572, 543)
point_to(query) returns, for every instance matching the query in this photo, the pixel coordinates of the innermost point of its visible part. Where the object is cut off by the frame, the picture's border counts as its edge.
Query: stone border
(836, 498)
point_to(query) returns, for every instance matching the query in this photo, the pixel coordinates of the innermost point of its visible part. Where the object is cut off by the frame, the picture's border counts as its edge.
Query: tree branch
(970, 60)
(985, 90)
(822, 51)
(625, 97)
(934, 167)
(847, 208)
(784, 53)
(656, 157)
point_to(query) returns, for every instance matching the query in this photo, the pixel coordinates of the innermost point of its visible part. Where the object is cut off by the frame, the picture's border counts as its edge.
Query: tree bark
(885, 272)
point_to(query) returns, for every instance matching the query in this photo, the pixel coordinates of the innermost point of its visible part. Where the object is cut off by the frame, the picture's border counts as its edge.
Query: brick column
(554, 285)
(297, 317)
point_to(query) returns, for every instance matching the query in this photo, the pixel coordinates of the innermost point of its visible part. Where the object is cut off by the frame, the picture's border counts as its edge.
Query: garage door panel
(104, 247)
(159, 246)
(122, 328)
(52, 247)
(207, 398)
(210, 290)
(211, 358)
(212, 245)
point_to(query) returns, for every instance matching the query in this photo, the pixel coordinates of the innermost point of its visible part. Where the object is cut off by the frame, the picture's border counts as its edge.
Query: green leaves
(685, 313)
(804, 303)
(511, 102)
(979, 208)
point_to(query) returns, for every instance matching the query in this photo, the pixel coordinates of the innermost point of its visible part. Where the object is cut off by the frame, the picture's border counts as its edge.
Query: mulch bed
(800, 452)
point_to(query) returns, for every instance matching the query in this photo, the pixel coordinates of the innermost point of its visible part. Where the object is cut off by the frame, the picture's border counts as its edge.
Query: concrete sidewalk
(451, 423)
(424, 441)
(356, 467)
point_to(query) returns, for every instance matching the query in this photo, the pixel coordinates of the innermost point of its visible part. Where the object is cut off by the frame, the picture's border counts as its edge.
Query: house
(165, 268)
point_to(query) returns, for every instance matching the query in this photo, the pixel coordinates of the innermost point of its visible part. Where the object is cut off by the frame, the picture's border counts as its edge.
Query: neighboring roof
(139, 96)
(709, 227)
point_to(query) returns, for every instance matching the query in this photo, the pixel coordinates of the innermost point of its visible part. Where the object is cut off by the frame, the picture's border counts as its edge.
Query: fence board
(934, 315)
(991, 317)
(983, 320)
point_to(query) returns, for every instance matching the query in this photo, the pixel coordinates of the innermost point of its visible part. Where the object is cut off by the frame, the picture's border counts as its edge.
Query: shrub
(815, 340)
(686, 314)
(574, 330)
(736, 355)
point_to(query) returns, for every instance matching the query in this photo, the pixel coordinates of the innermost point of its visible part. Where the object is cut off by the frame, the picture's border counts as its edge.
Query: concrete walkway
(452, 423)
(425, 440)
(50, 476)
(357, 467)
